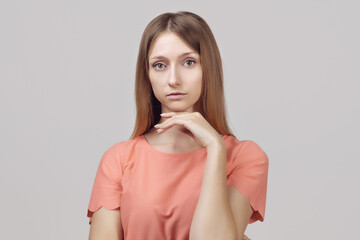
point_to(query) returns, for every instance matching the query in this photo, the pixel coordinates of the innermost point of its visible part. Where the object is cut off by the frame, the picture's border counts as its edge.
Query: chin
(178, 106)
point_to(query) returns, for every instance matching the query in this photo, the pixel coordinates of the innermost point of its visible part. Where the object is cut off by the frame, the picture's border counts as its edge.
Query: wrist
(217, 145)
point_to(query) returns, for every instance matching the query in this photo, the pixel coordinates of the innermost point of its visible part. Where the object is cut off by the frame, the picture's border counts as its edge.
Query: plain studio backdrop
(291, 69)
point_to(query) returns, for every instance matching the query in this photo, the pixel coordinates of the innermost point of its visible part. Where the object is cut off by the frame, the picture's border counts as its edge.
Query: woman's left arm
(222, 212)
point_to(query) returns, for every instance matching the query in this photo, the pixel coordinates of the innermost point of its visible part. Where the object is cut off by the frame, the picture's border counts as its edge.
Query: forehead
(170, 45)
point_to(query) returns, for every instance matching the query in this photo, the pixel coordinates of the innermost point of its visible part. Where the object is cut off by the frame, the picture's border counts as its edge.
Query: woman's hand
(195, 126)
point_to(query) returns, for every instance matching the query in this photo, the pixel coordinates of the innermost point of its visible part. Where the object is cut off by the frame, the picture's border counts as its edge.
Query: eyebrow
(184, 54)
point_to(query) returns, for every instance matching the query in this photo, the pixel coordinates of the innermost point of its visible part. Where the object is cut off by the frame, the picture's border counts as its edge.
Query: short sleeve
(249, 176)
(107, 188)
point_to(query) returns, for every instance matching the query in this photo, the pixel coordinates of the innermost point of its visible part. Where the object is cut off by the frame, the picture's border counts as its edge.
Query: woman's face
(174, 67)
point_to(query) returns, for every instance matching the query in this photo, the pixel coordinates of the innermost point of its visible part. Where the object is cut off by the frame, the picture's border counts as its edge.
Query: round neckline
(175, 155)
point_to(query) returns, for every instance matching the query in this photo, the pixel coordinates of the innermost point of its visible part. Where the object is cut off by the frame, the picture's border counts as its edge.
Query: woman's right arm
(106, 224)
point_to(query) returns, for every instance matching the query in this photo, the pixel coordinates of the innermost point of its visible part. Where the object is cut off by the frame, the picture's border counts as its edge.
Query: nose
(174, 78)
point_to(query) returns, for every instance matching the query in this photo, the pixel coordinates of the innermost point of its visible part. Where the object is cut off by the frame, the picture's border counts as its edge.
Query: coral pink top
(157, 192)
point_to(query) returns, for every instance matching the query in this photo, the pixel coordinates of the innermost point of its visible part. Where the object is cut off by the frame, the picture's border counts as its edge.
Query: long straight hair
(194, 31)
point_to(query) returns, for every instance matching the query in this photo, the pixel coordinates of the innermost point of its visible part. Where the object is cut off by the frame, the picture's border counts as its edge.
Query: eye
(159, 66)
(189, 62)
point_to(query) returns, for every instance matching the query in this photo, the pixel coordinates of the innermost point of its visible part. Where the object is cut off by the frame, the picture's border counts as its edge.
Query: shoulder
(123, 146)
(252, 148)
(119, 151)
(245, 150)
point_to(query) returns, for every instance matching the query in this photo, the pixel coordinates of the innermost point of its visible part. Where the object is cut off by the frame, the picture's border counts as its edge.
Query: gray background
(67, 94)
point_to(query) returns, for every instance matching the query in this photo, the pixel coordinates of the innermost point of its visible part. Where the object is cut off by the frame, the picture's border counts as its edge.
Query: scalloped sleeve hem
(258, 210)
(107, 188)
(249, 177)
(94, 208)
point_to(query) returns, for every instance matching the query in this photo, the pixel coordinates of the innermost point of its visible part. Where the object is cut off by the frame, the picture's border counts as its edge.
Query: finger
(171, 122)
(165, 122)
(167, 114)
(160, 130)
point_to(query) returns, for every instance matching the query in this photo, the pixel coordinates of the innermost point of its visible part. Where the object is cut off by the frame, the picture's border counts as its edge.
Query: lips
(176, 93)
(176, 96)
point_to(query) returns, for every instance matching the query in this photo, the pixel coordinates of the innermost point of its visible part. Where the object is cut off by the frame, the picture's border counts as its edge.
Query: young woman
(182, 174)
